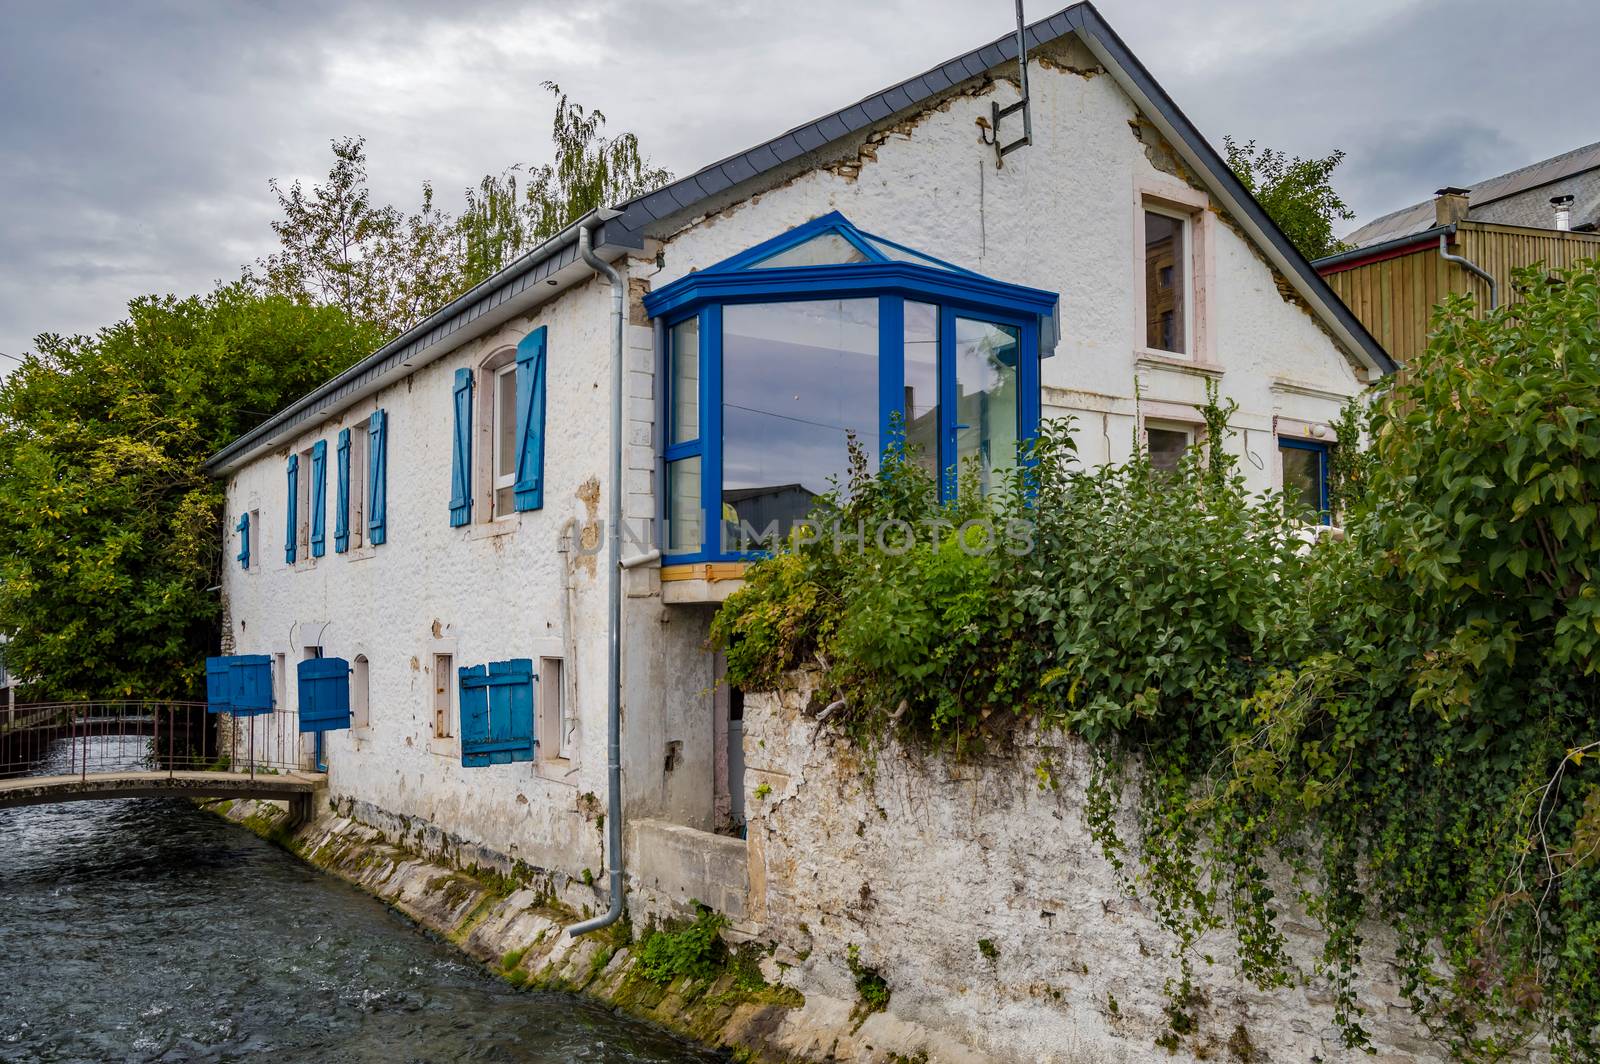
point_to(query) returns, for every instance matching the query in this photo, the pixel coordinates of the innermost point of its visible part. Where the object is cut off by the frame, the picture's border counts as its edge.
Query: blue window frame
(1305, 479)
(243, 528)
(900, 326)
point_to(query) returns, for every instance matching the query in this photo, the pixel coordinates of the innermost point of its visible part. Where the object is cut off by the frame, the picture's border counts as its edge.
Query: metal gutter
(1419, 241)
(1470, 267)
(619, 292)
(512, 291)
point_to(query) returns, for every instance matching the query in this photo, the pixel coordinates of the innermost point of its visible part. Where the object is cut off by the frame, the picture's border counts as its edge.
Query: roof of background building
(495, 300)
(1421, 216)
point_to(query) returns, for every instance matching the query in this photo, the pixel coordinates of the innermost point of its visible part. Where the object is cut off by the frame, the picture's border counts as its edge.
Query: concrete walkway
(43, 790)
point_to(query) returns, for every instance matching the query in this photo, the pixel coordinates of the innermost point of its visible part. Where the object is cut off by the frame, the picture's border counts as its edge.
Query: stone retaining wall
(990, 913)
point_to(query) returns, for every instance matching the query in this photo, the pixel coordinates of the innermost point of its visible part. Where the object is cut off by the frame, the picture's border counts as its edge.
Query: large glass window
(685, 380)
(780, 354)
(1166, 446)
(986, 399)
(796, 379)
(921, 402)
(1165, 283)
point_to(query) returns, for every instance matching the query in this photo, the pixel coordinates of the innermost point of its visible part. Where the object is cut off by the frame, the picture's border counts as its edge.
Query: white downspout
(613, 534)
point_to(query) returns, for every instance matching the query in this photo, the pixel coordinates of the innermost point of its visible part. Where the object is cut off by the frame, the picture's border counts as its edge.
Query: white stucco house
(438, 515)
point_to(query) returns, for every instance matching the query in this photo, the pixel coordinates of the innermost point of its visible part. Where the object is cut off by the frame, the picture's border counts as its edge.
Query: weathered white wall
(487, 591)
(917, 859)
(1060, 216)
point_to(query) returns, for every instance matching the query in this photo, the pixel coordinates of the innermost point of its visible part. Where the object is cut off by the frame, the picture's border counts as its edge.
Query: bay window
(778, 356)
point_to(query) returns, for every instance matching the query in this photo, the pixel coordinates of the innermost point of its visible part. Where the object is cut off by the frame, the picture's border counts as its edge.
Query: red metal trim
(1381, 256)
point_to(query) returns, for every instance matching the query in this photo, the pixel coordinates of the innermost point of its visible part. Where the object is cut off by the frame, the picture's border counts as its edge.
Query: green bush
(1408, 718)
(695, 950)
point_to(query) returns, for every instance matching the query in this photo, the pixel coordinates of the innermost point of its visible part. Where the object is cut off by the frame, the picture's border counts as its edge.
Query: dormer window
(778, 355)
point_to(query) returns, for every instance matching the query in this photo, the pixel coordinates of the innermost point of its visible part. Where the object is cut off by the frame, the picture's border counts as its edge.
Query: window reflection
(922, 385)
(1305, 481)
(796, 377)
(986, 398)
(685, 380)
(685, 517)
(829, 249)
(1164, 283)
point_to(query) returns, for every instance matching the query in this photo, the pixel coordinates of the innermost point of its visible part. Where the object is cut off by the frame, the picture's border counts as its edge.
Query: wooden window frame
(503, 360)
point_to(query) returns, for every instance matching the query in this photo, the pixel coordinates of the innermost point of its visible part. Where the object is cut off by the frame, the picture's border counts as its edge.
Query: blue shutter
(319, 498)
(250, 689)
(474, 713)
(341, 510)
(243, 528)
(219, 685)
(461, 454)
(291, 525)
(529, 487)
(377, 476)
(497, 713)
(324, 694)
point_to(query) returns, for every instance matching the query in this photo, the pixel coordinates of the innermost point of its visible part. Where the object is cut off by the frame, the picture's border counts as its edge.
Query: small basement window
(1167, 445)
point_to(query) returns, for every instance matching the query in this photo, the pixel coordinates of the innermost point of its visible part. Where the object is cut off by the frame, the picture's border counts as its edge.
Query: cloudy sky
(139, 137)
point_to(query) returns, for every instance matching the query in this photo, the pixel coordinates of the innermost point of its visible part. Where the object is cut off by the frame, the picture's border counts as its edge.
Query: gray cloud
(139, 137)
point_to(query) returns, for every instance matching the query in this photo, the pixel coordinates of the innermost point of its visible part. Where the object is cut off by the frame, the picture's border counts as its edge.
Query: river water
(147, 930)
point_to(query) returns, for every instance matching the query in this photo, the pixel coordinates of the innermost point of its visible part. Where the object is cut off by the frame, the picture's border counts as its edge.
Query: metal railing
(85, 738)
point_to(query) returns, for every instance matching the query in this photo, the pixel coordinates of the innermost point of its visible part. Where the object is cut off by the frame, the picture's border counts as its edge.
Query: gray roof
(1421, 216)
(727, 179)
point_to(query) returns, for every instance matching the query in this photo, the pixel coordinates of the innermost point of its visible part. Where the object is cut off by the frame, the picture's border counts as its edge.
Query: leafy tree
(393, 269)
(590, 170)
(1296, 193)
(109, 537)
(377, 263)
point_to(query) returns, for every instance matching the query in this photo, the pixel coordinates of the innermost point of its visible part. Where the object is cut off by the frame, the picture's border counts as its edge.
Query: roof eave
(1417, 240)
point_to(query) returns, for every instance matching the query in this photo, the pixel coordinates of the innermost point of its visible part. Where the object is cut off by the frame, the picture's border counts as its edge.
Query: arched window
(360, 693)
(497, 435)
(778, 354)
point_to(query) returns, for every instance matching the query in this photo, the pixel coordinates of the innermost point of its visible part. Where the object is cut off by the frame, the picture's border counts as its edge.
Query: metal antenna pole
(996, 112)
(1022, 72)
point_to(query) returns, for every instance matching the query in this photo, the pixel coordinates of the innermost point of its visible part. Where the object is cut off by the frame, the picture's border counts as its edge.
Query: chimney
(1450, 206)
(1563, 208)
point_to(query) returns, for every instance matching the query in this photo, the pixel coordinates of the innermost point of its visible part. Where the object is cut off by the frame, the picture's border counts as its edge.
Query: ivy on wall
(1408, 718)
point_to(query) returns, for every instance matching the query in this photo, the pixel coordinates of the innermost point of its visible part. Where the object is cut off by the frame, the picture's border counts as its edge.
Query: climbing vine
(1407, 718)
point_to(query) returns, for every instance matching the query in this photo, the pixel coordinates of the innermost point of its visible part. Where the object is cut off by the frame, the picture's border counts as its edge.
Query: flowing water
(147, 930)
